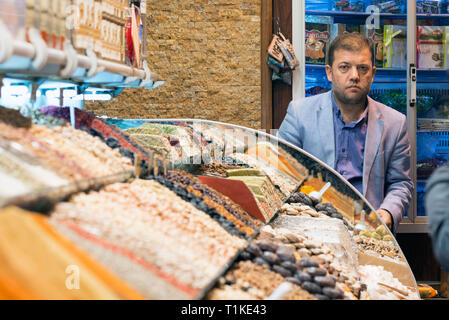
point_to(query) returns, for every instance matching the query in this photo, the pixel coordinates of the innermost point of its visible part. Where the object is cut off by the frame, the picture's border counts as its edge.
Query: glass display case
(293, 171)
(407, 36)
(198, 209)
(258, 200)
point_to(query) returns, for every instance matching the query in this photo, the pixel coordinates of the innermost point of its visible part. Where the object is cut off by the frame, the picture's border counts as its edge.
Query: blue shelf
(347, 14)
(385, 15)
(357, 17)
(317, 73)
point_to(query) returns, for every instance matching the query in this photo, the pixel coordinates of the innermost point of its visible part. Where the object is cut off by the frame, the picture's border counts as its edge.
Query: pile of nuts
(302, 261)
(243, 282)
(384, 248)
(300, 209)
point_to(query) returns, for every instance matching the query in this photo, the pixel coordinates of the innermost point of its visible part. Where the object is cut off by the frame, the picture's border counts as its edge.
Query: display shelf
(385, 75)
(348, 16)
(34, 62)
(432, 125)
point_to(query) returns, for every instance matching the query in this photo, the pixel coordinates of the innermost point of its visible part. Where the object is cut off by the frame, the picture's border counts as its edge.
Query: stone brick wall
(208, 54)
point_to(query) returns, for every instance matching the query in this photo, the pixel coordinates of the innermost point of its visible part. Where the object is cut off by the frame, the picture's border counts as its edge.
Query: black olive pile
(326, 208)
(304, 272)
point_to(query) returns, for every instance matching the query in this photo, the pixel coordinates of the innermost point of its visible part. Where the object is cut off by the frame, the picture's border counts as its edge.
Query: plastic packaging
(431, 47)
(12, 13)
(395, 46)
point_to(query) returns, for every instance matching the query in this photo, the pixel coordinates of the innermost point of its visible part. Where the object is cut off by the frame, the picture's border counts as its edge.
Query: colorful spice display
(157, 226)
(169, 235)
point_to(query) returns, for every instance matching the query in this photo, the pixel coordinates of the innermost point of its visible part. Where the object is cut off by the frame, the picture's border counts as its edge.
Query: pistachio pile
(380, 233)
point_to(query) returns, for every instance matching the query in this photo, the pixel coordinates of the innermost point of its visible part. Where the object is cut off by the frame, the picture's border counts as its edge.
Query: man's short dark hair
(354, 42)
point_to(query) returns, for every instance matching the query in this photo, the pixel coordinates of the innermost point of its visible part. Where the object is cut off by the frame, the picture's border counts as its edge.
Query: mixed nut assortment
(222, 209)
(382, 247)
(156, 226)
(300, 203)
(304, 262)
(243, 282)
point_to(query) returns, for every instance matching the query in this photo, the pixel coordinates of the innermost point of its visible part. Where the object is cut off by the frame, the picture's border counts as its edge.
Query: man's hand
(385, 216)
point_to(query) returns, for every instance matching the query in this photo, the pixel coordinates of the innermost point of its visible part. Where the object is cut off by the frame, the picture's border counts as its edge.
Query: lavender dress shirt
(350, 146)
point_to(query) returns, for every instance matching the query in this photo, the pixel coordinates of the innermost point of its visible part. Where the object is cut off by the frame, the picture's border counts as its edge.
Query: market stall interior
(135, 199)
(165, 208)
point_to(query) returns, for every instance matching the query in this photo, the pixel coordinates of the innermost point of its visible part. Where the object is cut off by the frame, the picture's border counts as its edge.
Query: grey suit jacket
(386, 164)
(437, 209)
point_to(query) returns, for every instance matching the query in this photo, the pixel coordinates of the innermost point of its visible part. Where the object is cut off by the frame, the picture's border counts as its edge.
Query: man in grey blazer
(364, 140)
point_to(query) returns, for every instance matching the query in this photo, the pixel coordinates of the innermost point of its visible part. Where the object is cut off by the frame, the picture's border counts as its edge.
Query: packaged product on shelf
(12, 14)
(430, 47)
(46, 22)
(317, 40)
(98, 19)
(87, 33)
(351, 5)
(32, 17)
(446, 47)
(82, 37)
(341, 28)
(54, 21)
(431, 6)
(112, 30)
(389, 6)
(132, 36)
(377, 36)
(395, 46)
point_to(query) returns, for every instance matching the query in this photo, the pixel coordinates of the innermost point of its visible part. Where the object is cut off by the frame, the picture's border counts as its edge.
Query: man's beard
(356, 99)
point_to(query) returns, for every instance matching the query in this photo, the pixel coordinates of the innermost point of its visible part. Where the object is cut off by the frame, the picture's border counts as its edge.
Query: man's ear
(329, 72)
